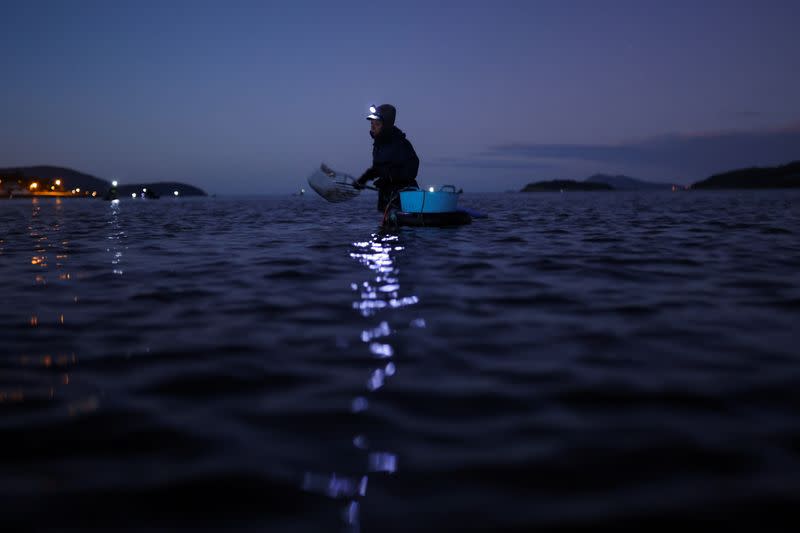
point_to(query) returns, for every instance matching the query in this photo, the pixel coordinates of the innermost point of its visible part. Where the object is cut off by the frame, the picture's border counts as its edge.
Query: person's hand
(358, 184)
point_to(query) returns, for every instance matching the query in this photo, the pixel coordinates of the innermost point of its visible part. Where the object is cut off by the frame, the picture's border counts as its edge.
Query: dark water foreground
(584, 360)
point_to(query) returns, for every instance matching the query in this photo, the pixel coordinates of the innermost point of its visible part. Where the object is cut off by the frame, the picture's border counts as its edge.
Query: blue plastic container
(445, 200)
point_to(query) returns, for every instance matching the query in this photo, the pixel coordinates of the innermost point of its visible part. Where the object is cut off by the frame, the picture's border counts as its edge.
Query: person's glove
(361, 182)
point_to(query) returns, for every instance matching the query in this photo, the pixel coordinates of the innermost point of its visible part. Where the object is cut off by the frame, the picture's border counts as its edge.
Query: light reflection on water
(377, 295)
(34, 375)
(115, 236)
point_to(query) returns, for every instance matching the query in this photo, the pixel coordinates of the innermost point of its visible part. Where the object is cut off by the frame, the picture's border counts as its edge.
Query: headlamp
(373, 113)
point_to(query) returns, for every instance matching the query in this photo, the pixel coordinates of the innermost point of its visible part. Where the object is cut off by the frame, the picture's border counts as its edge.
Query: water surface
(282, 364)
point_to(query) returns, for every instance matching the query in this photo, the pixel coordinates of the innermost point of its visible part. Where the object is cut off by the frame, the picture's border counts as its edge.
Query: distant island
(45, 180)
(626, 183)
(780, 177)
(164, 188)
(566, 185)
(600, 182)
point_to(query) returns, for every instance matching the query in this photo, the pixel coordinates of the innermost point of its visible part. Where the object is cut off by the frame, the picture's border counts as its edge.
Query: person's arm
(370, 174)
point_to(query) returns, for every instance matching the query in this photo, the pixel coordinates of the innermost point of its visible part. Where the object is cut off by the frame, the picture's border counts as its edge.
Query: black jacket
(394, 165)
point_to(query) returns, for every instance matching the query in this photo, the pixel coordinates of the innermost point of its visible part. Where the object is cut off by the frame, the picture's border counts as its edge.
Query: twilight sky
(239, 97)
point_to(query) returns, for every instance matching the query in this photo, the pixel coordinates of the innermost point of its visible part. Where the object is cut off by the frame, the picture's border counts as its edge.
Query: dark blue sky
(251, 96)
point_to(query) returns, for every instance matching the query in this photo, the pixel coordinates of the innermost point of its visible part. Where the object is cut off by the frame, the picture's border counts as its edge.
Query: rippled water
(280, 364)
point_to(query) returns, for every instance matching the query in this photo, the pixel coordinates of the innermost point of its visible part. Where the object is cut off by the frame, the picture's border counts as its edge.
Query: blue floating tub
(445, 200)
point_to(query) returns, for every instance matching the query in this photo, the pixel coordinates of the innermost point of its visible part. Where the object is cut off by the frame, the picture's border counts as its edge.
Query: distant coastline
(600, 182)
(566, 185)
(780, 177)
(783, 176)
(53, 181)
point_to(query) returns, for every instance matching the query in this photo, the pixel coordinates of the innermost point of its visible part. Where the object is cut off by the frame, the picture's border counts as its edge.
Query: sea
(620, 361)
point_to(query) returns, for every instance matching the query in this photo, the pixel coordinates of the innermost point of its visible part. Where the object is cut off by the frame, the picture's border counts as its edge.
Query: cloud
(695, 155)
(489, 163)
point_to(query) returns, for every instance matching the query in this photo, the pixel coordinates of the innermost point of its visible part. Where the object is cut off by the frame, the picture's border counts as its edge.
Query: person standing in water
(394, 162)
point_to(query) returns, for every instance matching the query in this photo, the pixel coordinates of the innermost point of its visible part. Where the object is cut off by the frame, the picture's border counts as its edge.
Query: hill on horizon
(778, 177)
(72, 179)
(161, 188)
(626, 183)
(565, 185)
